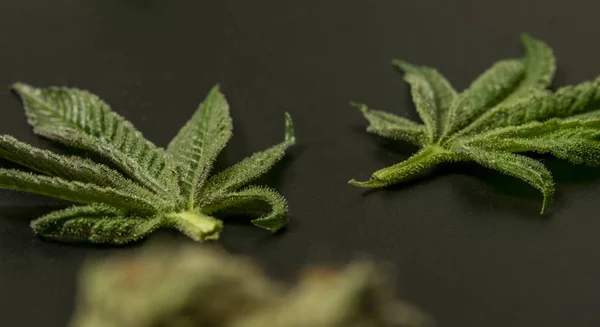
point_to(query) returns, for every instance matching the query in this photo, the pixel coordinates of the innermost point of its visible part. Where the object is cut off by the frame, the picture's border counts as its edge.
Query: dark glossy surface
(468, 243)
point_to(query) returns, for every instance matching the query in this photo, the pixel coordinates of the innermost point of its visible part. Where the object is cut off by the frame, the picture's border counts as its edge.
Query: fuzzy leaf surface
(74, 191)
(197, 145)
(574, 140)
(507, 81)
(488, 90)
(251, 201)
(142, 187)
(531, 171)
(80, 119)
(392, 126)
(94, 223)
(507, 110)
(435, 92)
(250, 168)
(71, 168)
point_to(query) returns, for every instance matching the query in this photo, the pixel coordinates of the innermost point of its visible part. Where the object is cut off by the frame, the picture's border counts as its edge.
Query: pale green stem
(196, 225)
(426, 158)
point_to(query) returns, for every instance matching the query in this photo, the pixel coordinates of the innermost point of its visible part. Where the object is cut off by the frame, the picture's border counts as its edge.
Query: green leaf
(540, 66)
(567, 102)
(507, 81)
(521, 167)
(199, 142)
(250, 168)
(76, 191)
(489, 90)
(572, 140)
(527, 108)
(507, 110)
(425, 103)
(138, 190)
(391, 126)
(80, 119)
(575, 147)
(70, 168)
(251, 201)
(527, 102)
(574, 100)
(94, 223)
(435, 91)
(536, 129)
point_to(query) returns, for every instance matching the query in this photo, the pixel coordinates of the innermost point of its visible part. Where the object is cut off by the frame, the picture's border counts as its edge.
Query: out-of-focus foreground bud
(200, 287)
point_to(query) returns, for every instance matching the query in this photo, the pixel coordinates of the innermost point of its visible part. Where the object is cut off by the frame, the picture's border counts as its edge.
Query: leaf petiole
(426, 158)
(196, 225)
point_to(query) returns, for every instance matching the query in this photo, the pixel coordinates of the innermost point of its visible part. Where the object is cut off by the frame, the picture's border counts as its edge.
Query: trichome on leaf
(505, 111)
(141, 187)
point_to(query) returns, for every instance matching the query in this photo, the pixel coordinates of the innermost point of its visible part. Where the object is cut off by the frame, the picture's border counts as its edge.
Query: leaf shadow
(558, 80)
(274, 177)
(245, 221)
(129, 4)
(486, 189)
(239, 232)
(386, 145)
(566, 172)
(140, 4)
(20, 213)
(480, 187)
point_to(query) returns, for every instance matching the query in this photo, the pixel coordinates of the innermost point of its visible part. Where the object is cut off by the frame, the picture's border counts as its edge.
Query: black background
(468, 243)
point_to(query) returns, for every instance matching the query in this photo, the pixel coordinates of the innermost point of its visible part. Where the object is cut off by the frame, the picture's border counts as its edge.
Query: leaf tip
(547, 201)
(404, 66)
(290, 136)
(360, 106)
(528, 41)
(399, 63)
(373, 183)
(216, 90)
(271, 225)
(34, 224)
(525, 36)
(21, 87)
(544, 207)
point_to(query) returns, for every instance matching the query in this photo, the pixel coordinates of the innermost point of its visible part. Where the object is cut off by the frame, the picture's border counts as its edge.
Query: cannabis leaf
(138, 187)
(506, 111)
